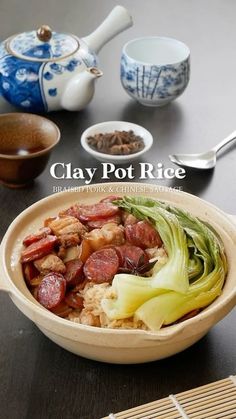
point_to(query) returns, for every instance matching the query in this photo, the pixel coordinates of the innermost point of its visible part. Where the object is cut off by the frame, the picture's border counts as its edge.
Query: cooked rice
(93, 314)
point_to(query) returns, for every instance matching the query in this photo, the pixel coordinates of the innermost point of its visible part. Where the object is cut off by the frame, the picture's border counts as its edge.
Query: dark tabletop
(38, 379)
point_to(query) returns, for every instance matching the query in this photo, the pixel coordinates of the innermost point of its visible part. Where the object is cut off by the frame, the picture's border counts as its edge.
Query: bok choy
(191, 278)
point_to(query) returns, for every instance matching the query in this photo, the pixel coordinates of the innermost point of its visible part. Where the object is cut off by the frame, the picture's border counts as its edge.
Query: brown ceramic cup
(26, 141)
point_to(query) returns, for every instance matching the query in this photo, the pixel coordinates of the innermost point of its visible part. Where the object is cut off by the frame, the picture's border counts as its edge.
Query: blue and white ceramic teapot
(46, 71)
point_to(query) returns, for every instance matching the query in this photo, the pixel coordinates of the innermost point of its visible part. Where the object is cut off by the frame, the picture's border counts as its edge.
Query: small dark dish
(26, 142)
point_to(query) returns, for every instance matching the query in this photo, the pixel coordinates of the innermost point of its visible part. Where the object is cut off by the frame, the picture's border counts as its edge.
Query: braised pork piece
(76, 255)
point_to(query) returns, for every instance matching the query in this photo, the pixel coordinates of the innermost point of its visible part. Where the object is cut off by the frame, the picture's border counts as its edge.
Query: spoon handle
(226, 140)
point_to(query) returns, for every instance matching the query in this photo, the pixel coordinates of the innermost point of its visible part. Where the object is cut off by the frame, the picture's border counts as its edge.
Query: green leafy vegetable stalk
(191, 279)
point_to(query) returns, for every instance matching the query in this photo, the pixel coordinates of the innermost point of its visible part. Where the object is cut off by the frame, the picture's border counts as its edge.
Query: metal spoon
(205, 160)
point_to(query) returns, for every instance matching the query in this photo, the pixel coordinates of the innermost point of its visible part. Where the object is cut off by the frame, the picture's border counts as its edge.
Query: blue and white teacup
(155, 70)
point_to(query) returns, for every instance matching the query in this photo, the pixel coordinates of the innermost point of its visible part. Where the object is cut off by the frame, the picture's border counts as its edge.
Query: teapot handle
(117, 21)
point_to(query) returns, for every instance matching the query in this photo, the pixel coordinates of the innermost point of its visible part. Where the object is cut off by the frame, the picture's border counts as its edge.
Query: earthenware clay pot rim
(37, 153)
(165, 38)
(167, 333)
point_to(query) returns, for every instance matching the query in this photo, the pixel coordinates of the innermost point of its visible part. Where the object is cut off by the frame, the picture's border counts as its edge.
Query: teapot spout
(80, 89)
(117, 21)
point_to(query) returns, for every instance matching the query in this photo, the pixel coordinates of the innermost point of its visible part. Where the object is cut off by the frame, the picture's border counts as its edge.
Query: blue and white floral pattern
(37, 85)
(27, 44)
(56, 69)
(151, 84)
(19, 83)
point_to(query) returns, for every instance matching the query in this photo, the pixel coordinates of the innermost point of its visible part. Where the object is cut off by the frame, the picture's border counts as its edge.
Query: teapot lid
(42, 45)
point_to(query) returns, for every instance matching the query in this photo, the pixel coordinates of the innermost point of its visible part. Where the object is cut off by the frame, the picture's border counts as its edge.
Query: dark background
(37, 378)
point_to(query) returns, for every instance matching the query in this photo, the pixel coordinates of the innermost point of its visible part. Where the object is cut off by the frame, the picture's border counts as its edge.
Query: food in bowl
(116, 142)
(129, 263)
(112, 127)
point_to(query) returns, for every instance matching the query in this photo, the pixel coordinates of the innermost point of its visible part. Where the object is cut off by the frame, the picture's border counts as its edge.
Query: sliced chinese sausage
(142, 234)
(102, 265)
(110, 198)
(51, 290)
(74, 272)
(97, 211)
(32, 238)
(116, 219)
(73, 211)
(74, 300)
(131, 256)
(38, 249)
(91, 212)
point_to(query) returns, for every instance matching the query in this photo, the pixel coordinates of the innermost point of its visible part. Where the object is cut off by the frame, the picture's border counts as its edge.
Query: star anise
(139, 268)
(117, 142)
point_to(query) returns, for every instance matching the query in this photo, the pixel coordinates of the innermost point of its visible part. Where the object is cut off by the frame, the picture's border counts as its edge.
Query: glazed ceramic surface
(110, 126)
(26, 142)
(44, 71)
(155, 70)
(109, 345)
